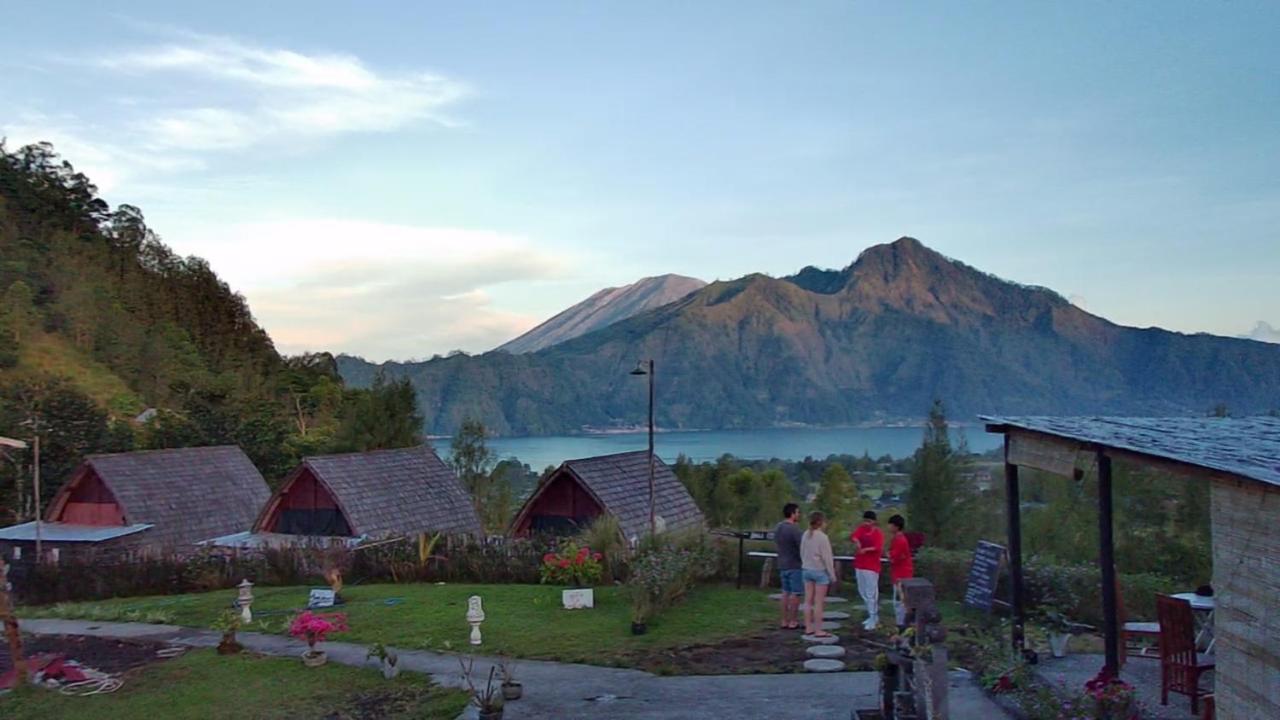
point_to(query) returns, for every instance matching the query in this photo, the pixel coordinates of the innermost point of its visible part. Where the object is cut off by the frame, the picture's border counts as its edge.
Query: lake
(782, 443)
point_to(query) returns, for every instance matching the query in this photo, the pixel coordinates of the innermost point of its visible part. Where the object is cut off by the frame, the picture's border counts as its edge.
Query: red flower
(549, 558)
(564, 563)
(1003, 685)
(596, 556)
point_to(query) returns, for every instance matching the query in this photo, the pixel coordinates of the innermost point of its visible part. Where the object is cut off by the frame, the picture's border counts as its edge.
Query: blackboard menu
(983, 575)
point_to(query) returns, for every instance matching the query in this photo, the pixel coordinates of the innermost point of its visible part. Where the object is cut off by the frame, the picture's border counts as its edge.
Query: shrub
(574, 566)
(605, 535)
(315, 627)
(667, 567)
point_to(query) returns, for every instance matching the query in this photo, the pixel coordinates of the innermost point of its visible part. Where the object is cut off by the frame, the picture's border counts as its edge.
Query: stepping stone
(828, 652)
(823, 665)
(820, 640)
(828, 625)
(836, 600)
(835, 615)
(776, 596)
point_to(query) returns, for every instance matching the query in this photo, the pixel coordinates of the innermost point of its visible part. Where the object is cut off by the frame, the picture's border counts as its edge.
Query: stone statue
(475, 616)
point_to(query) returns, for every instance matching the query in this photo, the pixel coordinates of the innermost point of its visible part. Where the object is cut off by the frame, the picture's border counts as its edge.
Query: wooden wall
(1246, 582)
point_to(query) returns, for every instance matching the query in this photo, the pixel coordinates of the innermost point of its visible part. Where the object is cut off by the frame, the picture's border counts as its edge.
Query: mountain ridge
(904, 326)
(603, 308)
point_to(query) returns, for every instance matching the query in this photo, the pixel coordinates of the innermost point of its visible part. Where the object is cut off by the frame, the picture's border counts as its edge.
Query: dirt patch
(768, 651)
(105, 654)
(378, 704)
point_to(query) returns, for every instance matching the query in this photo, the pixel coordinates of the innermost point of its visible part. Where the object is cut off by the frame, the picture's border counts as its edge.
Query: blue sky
(419, 177)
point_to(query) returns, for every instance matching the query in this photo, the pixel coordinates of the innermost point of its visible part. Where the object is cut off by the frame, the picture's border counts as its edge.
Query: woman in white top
(819, 570)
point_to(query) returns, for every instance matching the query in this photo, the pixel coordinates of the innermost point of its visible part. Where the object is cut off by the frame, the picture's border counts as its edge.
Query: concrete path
(566, 691)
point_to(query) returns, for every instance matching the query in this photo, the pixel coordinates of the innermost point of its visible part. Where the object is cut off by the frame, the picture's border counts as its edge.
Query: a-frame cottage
(369, 495)
(580, 490)
(152, 501)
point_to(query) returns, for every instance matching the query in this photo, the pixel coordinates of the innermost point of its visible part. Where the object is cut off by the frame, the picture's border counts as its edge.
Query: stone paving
(1073, 671)
(564, 691)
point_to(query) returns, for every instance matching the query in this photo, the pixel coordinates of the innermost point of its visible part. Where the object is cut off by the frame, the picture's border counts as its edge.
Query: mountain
(603, 309)
(874, 342)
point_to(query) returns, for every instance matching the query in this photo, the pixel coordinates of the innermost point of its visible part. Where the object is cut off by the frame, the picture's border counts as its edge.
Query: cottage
(158, 500)
(377, 494)
(580, 490)
(1240, 458)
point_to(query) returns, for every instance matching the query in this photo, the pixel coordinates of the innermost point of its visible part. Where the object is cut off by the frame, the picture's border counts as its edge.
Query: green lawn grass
(522, 620)
(202, 685)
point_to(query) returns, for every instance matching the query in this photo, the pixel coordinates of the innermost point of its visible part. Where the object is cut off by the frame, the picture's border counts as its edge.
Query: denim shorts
(817, 577)
(792, 581)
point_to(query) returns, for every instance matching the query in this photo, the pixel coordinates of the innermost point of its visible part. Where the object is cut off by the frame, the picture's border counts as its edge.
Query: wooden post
(11, 627)
(1013, 512)
(741, 539)
(38, 503)
(1107, 563)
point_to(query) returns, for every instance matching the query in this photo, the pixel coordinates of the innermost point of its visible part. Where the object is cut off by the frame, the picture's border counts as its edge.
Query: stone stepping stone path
(828, 652)
(823, 665)
(829, 625)
(835, 615)
(820, 640)
(836, 600)
(776, 596)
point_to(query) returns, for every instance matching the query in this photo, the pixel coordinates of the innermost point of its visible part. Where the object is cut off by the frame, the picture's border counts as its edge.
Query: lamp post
(640, 370)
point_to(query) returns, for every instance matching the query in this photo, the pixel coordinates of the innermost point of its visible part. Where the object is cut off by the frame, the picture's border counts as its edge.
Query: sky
(397, 180)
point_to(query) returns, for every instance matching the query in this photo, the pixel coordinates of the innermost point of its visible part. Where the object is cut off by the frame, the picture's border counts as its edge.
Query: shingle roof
(621, 483)
(187, 494)
(391, 492)
(1248, 447)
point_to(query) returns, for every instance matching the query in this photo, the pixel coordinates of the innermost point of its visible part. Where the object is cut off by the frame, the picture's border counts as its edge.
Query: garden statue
(245, 600)
(475, 616)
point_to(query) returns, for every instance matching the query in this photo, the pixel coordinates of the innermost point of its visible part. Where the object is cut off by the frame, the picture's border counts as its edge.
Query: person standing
(901, 566)
(787, 536)
(869, 544)
(819, 573)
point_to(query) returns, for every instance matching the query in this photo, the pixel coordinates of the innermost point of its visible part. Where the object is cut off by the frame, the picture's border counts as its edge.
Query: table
(1202, 607)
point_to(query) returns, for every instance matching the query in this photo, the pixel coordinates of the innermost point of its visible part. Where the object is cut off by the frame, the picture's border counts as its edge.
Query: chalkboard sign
(980, 593)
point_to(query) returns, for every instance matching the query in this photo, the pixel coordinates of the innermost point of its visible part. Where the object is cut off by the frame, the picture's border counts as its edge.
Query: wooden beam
(1107, 563)
(1042, 452)
(1013, 513)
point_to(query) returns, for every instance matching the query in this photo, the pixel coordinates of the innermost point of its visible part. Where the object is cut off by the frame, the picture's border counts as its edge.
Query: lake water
(782, 443)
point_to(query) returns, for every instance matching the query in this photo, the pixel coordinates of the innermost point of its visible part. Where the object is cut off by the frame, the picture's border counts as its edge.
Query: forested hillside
(100, 320)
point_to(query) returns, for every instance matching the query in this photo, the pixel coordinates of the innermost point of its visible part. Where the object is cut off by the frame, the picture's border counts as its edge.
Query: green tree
(474, 462)
(8, 346)
(384, 416)
(936, 487)
(837, 497)
(18, 310)
(775, 491)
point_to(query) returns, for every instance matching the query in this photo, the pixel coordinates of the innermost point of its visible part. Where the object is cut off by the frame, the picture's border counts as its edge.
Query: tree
(936, 488)
(384, 416)
(775, 491)
(837, 497)
(490, 488)
(8, 346)
(18, 310)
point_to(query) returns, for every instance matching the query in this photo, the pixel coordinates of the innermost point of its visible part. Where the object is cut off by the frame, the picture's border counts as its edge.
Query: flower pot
(578, 598)
(314, 658)
(390, 669)
(491, 714)
(1058, 644)
(512, 691)
(639, 628)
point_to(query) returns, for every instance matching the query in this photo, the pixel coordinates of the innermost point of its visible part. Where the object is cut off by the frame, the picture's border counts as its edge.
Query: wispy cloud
(278, 95)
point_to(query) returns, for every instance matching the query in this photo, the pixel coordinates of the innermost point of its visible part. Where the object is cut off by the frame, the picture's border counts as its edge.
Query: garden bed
(105, 654)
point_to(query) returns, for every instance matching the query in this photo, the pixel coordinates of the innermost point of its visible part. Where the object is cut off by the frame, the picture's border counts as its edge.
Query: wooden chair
(1137, 639)
(1180, 665)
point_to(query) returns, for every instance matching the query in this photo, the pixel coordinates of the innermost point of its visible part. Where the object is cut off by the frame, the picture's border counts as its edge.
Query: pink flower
(596, 556)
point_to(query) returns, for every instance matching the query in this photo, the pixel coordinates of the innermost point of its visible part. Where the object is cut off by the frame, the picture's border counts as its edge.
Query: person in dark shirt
(787, 537)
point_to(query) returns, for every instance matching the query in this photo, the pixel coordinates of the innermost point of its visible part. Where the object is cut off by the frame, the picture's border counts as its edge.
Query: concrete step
(826, 652)
(823, 665)
(820, 640)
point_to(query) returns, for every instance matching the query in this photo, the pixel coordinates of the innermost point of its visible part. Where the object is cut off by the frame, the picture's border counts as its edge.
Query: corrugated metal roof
(1248, 447)
(621, 482)
(258, 540)
(66, 532)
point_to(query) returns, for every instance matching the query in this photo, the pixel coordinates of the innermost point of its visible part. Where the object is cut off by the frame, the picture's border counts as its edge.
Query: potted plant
(641, 609)
(228, 623)
(387, 660)
(314, 628)
(487, 700)
(511, 688)
(576, 567)
(1058, 625)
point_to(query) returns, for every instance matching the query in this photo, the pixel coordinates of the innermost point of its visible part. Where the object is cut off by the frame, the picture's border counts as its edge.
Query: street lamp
(640, 370)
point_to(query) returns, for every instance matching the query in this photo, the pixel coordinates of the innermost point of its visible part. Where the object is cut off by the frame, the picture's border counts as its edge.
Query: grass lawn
(522, 620)
(202, 685)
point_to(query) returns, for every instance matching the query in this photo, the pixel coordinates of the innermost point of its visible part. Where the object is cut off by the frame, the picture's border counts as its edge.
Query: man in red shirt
(868, 542)
(900, 565)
